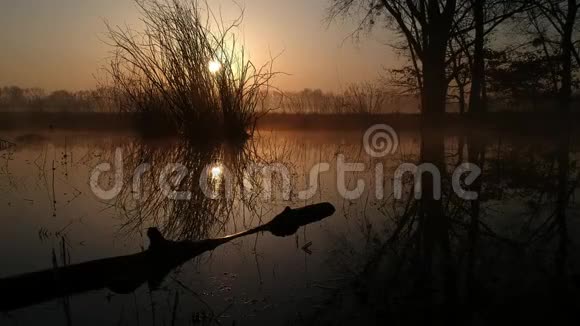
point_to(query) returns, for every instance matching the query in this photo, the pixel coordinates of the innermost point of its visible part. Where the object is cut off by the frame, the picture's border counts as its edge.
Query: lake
(385, 254)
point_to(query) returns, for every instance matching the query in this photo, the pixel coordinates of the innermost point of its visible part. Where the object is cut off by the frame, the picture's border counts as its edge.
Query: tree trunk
(435, 85)
(434, 95)
(461, 99)
(566, 57)
(437, 263)
(476, 154)
(476, 104)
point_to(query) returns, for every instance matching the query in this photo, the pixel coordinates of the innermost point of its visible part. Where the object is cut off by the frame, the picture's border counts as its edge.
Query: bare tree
(426, 26)
(559, 18)
(487, 15)
(443, 38)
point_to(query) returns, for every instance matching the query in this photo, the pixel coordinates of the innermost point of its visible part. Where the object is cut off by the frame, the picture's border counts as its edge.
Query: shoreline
(519, 122)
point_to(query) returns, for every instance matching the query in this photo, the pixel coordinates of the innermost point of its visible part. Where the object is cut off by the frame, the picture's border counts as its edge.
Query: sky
(60, 44)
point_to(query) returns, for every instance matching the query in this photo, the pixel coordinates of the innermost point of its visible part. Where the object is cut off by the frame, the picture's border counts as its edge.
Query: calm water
(376, 256)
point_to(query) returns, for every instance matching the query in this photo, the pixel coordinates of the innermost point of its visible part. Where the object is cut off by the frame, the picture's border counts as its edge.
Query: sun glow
(214, 66)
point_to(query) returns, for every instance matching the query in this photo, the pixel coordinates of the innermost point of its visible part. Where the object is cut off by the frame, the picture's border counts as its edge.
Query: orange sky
(58, 44)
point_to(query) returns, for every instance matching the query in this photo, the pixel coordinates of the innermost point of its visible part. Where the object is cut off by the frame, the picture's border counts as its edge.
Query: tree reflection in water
(509, 256)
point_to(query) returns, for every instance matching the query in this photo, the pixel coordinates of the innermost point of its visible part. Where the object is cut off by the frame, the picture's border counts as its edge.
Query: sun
(214, 66)
(216, 172)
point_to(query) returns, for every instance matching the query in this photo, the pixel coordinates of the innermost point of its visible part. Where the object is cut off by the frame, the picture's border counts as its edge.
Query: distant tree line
(362, 98)
(17, 99)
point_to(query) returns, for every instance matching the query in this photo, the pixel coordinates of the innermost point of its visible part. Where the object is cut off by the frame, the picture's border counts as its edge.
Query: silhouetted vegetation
(447, 44)
(187, 69)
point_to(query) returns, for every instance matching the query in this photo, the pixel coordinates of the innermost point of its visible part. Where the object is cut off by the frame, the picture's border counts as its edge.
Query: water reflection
(509, 256)
(200, 214)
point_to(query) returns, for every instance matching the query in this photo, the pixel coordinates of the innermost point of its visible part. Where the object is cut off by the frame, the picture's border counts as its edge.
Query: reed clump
(186, 71)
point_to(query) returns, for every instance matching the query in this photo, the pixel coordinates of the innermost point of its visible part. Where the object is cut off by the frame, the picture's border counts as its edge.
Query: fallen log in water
(124, 274)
